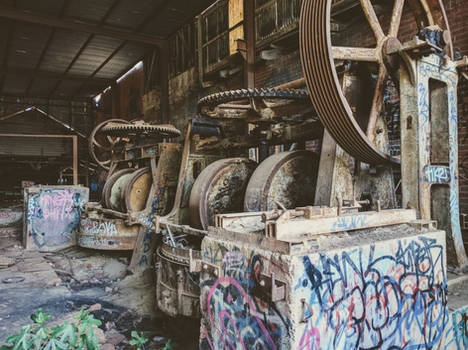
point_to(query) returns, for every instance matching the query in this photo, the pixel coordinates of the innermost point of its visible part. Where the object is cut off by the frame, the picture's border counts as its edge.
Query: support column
(164, 80)
(250, 38)
(429, 147)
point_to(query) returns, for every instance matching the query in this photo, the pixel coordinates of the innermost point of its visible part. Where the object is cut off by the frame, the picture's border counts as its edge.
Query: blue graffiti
(347, 223)
(423, 102)
(437, 174)
(460, 328)
(430, 70)
(148, 240)
(365, 300)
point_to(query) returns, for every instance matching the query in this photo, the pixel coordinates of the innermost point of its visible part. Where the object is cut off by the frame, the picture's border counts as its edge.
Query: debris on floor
(65, 282)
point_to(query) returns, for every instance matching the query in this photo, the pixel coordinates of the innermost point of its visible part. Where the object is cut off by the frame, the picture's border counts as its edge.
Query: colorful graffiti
(238, 314)
(375, 299)
(437, 174)
(54, 214)
(95, 227)
(460, 328)
(157, 208)
(390, 295)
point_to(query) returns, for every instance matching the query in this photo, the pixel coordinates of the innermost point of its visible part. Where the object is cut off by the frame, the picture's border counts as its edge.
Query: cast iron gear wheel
(122, 130)
(242, 94)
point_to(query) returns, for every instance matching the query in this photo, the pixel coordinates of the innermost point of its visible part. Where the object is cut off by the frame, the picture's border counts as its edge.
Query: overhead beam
(79, 26)
(52, 75)
(63, 10)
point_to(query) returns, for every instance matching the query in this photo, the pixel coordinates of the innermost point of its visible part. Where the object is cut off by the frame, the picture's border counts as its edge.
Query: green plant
(138, 340)
(76, 336)
(169, 345)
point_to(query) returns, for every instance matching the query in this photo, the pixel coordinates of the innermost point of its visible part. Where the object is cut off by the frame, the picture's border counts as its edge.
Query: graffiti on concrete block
(53, 215)
(375, 298)
(460, 328)
(238, 314)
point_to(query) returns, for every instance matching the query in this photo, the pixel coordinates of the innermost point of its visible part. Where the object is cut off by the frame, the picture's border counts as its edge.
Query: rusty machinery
(252, 266)
(134, 154)
(354, 177)
(217, 177)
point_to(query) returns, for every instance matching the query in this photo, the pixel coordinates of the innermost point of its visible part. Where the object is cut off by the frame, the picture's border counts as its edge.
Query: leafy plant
(169, 345)
(67, 336)
(138, 340)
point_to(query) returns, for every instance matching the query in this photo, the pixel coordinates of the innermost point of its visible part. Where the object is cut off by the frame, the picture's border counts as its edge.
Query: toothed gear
(123, 130)
(237, 95)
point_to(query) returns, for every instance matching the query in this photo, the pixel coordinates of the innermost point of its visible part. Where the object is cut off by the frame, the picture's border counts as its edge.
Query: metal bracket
(306, 307)
(198, 265)
(276, 288)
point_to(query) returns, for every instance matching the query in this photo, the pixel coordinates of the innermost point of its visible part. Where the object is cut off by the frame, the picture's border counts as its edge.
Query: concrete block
(52, 216)
(383, 288)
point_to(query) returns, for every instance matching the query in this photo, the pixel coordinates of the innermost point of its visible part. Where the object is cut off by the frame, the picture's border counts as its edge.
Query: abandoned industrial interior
(233, 174)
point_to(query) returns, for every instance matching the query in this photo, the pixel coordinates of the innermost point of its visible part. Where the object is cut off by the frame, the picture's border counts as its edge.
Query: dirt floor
(62, 283)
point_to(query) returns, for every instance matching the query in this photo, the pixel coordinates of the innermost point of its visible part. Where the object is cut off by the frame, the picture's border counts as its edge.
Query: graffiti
(237, 311)
(94, 227)
(8, 214)
(437, 174)
(423, 103)
(148, 240)
(436, 71)
(366, 299)
(460, 328)
(346, 223)
(53, 215)
(96, 242)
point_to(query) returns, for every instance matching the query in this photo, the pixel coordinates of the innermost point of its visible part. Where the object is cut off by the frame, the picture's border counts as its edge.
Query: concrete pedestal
(52, 216)
(383, 288)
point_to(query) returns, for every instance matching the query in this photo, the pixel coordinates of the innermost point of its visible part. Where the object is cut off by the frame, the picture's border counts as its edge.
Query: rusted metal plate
(135, 193)
(106, 191)
(115, 199)
(52, 215)
(106, 234)
(288, 178)
(219, 188)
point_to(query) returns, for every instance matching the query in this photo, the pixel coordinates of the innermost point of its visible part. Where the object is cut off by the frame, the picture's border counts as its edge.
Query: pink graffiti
(222, 314)
(7, 215)
(305, 341)
(57, 205)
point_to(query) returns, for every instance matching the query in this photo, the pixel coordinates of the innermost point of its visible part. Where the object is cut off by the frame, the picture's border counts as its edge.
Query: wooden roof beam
(78, 26)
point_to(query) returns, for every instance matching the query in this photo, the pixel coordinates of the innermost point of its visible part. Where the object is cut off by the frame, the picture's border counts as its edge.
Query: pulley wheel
(106, 191)
(105, 144)
(219, 189)
(136, 191)
(367, 45)
(285, 179)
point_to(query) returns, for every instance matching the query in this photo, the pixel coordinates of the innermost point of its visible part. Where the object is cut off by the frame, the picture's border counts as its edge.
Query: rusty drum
(177, 289)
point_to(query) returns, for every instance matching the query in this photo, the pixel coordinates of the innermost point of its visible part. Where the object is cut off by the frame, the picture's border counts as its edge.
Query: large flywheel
(319, 58)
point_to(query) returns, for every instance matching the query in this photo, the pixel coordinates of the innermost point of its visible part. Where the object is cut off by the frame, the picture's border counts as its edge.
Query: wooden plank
(236, 15)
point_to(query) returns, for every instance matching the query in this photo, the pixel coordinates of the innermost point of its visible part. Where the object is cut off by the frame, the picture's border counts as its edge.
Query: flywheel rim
(322, 80)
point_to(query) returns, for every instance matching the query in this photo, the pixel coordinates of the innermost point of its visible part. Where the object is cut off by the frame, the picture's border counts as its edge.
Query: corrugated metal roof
(36, 36)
